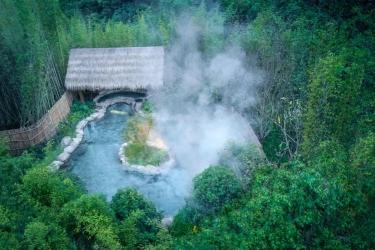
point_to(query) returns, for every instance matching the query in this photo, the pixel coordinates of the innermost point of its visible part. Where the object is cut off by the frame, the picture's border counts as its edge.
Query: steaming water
(96, 163)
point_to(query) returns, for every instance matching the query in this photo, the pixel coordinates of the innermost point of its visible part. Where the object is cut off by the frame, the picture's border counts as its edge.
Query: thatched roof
(115, 68)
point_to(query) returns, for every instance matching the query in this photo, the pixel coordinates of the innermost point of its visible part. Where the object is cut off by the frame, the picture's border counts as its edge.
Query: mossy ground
(138, 152)
(143, 154)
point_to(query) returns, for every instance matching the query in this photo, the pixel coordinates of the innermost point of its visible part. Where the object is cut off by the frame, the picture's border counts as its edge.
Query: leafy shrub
(128, 200)
(363, 160)
(215, 187)
(8, 238)
(9, 241)
(78, 111)
(334, 94)
(243, 159)
(140, 223)
(39, 235)
(186, 220)
(89, 220)
(12, 169)
(43, 188)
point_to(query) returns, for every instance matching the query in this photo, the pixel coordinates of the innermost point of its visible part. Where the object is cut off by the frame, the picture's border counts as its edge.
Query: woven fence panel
(21, 138)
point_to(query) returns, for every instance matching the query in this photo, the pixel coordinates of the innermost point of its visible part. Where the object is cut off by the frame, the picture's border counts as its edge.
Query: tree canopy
(314, 187)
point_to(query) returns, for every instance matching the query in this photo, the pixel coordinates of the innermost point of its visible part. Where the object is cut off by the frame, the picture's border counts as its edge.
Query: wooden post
(81, 96)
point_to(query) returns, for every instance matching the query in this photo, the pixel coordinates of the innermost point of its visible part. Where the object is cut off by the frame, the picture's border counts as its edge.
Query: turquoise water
(96, 163)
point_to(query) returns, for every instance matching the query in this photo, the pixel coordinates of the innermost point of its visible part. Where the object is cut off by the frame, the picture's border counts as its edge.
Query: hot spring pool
(97, 164)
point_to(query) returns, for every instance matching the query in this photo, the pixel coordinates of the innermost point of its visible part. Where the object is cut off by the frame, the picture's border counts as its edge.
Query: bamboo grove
(33, 60)
(35, 38)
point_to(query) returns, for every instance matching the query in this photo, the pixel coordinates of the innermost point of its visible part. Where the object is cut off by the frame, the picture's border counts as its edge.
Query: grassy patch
(138, 152)
(138, 128)
(143, 154)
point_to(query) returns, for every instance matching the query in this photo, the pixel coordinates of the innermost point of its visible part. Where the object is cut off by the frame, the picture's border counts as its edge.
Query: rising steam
(198, 110)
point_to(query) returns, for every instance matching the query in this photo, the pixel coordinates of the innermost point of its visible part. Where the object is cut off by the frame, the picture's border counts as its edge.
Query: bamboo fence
(22, 138)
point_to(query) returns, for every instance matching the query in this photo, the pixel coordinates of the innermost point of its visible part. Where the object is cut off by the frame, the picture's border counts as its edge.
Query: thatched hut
(130, 68)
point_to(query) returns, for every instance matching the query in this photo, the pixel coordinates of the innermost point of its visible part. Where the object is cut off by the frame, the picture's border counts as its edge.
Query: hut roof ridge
(130, 68)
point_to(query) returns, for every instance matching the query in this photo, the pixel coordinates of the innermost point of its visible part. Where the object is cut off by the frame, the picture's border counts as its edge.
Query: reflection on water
(97, 164)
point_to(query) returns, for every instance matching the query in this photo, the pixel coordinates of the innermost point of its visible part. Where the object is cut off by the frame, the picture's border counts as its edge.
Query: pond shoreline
(71, 144)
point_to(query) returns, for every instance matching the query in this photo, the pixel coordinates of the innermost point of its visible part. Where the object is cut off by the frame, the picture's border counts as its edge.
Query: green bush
(39, 235)
(12, 170)
(244, 159)
(128, 200)
(215, 187)
(43, 188)
(334, 94)
(78, 111)
(8, 239)
(89, 220)
(140, 223)
(185, 220)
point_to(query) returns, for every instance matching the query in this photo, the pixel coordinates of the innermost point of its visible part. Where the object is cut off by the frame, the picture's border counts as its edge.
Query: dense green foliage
(45, 210)
(325, 203)
(140, 222)
(215, 187)
(78, 111)
(315, 116)
(33, 60)
(291, 207)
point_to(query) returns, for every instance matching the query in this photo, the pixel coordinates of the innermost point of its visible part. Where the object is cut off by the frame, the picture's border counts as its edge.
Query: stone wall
(22, 138)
